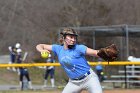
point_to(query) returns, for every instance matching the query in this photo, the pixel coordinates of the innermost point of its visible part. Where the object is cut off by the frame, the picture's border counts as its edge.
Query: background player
(49, 71)
(23, 72)
(99, 70)
(13, 55)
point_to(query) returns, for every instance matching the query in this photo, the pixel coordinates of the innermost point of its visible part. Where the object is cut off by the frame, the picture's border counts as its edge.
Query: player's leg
(72, 88)
(27, 76)
(93, 84)
(21, 81)
(45, 78)
(99, 74)
(52, 77)
(29, 80)
(46, 74)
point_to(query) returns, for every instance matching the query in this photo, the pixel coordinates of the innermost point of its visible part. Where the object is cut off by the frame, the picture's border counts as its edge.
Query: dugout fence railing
(57, 64)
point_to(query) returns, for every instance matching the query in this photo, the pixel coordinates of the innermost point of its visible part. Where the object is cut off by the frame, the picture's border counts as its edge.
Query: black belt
(85, 75)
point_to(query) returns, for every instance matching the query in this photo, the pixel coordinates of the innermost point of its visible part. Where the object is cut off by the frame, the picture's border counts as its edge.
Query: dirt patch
(119, 91)
(122, 91)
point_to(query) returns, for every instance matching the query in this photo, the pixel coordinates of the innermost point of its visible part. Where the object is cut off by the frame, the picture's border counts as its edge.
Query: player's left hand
(109, 53)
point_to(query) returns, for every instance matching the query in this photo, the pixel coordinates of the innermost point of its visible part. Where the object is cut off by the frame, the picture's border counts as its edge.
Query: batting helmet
(17, 45)
(69, 31)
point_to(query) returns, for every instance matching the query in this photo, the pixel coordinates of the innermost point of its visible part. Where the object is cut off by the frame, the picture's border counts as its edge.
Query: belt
(85, 75)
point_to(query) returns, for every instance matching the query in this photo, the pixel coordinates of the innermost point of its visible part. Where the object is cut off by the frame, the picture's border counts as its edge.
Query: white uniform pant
(90, 83)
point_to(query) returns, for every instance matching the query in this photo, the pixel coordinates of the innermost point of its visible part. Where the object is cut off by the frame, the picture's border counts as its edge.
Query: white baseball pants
(90, 83)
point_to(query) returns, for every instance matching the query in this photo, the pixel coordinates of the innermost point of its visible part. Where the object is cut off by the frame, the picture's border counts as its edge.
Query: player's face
(70, 39)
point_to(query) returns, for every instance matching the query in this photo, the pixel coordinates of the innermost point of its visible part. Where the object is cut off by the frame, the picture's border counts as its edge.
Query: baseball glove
(109, 53)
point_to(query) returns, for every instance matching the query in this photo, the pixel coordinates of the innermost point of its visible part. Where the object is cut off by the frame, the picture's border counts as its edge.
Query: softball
(44, 54)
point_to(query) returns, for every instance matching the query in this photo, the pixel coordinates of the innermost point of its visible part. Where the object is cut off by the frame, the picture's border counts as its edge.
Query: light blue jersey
(72, 60)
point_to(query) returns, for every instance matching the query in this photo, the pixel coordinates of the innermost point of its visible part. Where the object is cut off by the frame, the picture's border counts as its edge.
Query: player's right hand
(44, 54)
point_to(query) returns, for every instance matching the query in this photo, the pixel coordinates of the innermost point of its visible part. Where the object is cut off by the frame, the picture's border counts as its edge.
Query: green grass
(10, 77)
(36, 75)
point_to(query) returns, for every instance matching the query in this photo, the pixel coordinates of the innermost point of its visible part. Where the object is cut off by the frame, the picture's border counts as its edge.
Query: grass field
(36, 75)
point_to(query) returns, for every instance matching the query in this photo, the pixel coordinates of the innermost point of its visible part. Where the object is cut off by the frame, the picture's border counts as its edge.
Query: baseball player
(49, 70)
(13, 54)
(22, 71)
(72, 59)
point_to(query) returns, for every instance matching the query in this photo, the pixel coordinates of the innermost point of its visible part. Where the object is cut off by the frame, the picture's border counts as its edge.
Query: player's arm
(44, 48)
(10, 48)
(109, 53)
(91, 52)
